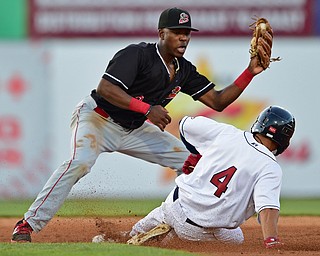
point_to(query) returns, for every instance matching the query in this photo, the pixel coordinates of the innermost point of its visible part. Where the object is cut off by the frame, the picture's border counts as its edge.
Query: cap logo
(184, 18)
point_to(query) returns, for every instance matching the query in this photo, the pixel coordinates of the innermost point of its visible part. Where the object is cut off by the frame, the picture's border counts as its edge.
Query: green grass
(300, 207)
(100, 207)
(88, 207)
(84, 249)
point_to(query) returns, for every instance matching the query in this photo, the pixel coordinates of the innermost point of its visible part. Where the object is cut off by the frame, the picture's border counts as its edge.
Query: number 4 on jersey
(222, 179)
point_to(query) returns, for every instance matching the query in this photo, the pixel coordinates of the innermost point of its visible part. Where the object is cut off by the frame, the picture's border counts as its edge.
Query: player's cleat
(21, 232)
(143, 237)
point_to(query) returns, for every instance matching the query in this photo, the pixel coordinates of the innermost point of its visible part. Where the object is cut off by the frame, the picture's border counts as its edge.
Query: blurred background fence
(53, 53)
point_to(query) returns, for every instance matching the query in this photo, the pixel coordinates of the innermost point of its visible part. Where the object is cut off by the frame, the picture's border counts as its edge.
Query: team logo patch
(184, 18)
(272, 129)
(174, 92)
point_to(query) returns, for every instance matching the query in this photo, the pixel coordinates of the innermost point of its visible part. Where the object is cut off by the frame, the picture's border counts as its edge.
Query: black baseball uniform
(146, 77)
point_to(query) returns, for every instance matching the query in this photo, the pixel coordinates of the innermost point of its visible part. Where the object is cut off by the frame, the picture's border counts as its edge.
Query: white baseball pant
(171, 213)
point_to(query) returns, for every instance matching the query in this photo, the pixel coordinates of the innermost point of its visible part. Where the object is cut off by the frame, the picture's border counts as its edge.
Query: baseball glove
(261, 42)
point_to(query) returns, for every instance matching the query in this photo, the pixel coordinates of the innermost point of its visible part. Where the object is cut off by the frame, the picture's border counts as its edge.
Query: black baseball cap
(175, 18)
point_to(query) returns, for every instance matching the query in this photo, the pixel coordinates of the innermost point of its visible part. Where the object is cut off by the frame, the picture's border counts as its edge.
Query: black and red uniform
(141, 72)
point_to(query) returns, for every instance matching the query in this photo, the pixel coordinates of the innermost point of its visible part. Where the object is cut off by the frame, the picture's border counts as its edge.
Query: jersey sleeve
(196, 84)
(267, 189)
(200, 131)
(123, 67)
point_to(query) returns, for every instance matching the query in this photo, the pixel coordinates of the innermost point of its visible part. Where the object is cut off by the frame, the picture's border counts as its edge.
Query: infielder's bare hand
(159, 116)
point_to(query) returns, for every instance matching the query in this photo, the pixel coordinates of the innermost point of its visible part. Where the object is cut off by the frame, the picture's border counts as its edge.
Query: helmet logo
(184, 18)
(272, 129)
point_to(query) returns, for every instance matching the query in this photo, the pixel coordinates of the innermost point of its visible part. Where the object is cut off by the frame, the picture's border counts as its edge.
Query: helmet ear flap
(287, 131)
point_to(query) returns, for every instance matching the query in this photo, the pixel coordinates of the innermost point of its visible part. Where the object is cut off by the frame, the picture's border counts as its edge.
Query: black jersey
(141, 72)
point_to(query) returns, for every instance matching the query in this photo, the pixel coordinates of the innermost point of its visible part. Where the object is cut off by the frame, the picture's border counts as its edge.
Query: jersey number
(222, 179)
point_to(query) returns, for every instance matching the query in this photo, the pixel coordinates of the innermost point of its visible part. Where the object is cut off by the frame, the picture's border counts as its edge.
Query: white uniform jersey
(235, 177)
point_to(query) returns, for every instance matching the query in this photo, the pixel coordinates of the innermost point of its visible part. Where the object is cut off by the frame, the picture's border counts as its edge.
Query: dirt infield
(301, 235)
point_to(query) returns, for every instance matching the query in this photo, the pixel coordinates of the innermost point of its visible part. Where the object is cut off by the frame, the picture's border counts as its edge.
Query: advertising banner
(88, 18)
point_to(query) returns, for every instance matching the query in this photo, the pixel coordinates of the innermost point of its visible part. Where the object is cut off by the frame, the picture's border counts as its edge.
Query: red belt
(101, 112)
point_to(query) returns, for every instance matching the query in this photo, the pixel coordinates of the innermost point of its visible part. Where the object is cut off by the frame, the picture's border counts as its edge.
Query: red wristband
(139, 106)
(271, 242)
(244, 79)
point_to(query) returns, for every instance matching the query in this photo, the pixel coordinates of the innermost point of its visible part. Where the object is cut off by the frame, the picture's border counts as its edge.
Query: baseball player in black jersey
(138, 83)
